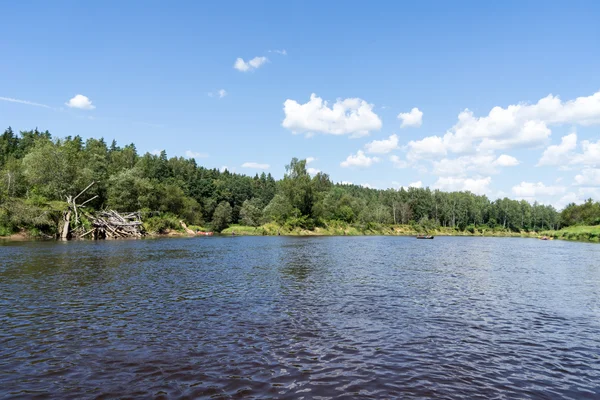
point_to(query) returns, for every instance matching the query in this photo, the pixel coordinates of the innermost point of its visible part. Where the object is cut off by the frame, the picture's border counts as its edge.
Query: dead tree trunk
(66, 227)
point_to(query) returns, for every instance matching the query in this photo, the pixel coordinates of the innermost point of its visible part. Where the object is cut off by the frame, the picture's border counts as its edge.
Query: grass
(579, 233)
(338, 228)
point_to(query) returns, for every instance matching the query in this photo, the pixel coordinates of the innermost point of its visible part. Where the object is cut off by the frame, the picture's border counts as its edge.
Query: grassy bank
(579, 233)
(341, 229)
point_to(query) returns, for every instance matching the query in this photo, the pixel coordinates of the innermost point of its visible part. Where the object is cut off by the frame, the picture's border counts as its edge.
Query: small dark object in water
(424, 237)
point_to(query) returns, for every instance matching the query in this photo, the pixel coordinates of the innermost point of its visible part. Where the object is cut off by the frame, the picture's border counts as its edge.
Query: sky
(499, 98)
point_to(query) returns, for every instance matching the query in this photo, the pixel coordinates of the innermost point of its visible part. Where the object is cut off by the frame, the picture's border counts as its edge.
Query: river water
(294, 317)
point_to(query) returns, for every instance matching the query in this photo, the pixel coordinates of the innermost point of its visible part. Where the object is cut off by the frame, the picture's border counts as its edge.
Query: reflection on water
(277, 317)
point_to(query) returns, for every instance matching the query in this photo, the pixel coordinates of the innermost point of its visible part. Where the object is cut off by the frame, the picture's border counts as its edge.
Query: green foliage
(19, 214)
(42, 170)
(222, 216)
(251, 212)
(587, 213)
(162, 223)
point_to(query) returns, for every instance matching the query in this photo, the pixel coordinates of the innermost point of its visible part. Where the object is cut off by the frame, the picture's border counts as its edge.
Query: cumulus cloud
(352, 116)
(475, 164)
(310, 159)
(588, 177)
(313, 171)
(428, 147)
(451, 184)
(565, 153)
(254, 165)
(520, 125)
(368, 186)
(194, 154)
(590, 154)
(413, 118)
(359, 160)
(504, 160)
(26, 102)
(417, 184)
(250, 65)
(382, 146)
(560, 154)
(530, 190)
(579, 196)
(80, 101)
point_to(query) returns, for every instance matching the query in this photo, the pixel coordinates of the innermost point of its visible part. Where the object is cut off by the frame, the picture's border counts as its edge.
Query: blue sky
(151, 72)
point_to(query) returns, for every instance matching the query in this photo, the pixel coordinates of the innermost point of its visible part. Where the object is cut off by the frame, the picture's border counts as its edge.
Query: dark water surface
(313, 318)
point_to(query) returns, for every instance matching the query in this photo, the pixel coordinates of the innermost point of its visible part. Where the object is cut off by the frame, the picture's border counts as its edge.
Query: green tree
(222, 216)
(251, 212)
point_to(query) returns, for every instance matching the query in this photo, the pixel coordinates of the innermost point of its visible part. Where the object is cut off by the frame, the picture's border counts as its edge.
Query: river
(300, 317)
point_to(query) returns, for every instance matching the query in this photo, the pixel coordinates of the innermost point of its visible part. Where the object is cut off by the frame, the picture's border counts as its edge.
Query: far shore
(576, 233)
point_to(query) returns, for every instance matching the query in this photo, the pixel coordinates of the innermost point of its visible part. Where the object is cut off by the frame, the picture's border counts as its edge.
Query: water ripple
(322, 318)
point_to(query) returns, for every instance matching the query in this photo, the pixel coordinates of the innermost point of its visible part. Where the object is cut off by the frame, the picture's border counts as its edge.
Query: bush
(162, 223)
(303, 222)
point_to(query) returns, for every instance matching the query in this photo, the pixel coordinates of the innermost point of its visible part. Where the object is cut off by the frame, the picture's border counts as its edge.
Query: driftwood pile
(107, 224)
(110, 224)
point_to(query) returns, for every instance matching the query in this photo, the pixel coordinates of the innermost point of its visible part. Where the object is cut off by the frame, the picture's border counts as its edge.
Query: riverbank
(342, 229)
(576, 233)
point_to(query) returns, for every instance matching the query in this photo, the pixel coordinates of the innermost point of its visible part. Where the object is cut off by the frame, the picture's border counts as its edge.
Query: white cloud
(382, 146)
(417, 184)
(313, 171)
(530, 190)
(398, 163)
(428, 147)
(221, 93)
(590, 154)
(451, 184)
(359, 160)
(368, 186)
(310, 159)
(413, 118)
(283, 52)
(532, 134)
(578, 197)
(504, 160)
(560, 154)
(193, 154)
(588, 177)
(26, 102)
(474, 164)
(349, 116)
(565, 154)
(520, 125)
(156, 152)
(81, 101)
(250, 65)
(346, 183)
(255, 165)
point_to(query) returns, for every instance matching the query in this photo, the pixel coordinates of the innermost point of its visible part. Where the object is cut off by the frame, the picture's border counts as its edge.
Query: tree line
(38, 171)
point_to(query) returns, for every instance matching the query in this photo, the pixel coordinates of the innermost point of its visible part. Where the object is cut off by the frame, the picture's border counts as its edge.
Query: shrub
(162, 223)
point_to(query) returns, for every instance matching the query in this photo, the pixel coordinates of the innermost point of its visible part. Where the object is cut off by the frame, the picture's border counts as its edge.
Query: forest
(38, 172)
